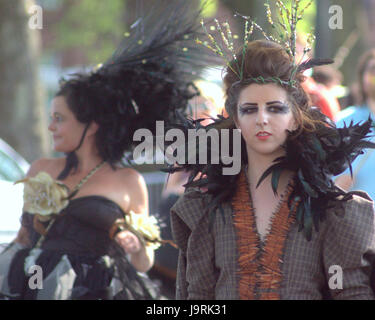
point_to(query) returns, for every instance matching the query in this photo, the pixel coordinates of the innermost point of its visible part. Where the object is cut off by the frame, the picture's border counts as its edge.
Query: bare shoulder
(49, 165)
(133, 182)
(130, 177)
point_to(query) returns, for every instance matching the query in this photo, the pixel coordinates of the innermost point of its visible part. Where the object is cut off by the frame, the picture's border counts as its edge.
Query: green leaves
(93, 26)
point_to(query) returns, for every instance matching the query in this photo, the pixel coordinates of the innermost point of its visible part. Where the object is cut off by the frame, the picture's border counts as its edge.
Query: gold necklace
(87, 177)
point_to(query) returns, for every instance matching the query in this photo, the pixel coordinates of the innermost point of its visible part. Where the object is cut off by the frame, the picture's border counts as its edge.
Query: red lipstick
(263, 135)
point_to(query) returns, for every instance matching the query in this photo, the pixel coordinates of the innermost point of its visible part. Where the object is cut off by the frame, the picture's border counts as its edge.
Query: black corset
(81, 228)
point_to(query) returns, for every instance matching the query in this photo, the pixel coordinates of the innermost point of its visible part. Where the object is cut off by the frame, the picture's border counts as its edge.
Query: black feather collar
(315, 157)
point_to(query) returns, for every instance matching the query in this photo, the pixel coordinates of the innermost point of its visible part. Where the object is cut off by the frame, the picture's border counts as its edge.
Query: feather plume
(151, 73)
(311, 63)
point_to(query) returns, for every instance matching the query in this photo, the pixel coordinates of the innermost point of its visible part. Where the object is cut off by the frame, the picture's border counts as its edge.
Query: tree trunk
(23, 121)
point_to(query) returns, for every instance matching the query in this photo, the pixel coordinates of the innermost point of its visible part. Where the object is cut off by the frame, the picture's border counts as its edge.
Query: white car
(12, 168)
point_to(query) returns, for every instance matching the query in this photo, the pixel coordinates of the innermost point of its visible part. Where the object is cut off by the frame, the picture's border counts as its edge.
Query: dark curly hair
(268, 59)
(119, 106)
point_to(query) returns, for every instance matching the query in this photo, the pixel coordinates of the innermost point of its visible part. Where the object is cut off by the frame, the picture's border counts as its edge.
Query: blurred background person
(320, 96)
(208, 104)
(328, 78)
(363, 166)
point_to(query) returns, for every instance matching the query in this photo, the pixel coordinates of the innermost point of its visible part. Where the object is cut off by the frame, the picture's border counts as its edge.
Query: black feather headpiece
(149, 76)
(153, 69)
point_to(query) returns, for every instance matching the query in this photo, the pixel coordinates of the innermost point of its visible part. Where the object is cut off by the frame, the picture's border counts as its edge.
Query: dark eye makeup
(245, 109)
(273, 107)
(279, 108)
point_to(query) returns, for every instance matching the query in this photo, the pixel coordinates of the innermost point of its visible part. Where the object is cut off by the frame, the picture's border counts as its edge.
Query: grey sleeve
(349, 250)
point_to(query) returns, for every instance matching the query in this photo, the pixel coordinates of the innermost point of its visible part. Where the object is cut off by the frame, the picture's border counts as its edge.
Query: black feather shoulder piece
(207, 163)
(315, 158)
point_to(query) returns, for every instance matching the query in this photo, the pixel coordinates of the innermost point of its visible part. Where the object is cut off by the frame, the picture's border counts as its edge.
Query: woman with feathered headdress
(280, 228)
(89, 230)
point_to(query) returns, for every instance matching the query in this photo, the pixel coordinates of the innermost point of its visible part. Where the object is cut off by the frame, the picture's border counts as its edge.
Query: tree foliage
(95, 26)
(257, 11)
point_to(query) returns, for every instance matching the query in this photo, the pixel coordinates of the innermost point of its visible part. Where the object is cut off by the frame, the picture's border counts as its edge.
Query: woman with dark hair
(279, 229)
(83, 216)
(362, 176)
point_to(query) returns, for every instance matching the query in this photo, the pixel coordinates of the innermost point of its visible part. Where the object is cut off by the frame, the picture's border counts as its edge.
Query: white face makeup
(65, 128)
(263, 115)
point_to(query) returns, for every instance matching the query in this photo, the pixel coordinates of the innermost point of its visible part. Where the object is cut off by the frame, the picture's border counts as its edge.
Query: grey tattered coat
(208, 268)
